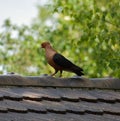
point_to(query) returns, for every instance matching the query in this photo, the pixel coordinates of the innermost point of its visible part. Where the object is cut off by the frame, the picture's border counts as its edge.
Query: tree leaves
(85, 31)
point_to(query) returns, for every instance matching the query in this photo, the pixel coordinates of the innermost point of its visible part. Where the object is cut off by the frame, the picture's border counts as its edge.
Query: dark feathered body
(66, 65)
(59, 62)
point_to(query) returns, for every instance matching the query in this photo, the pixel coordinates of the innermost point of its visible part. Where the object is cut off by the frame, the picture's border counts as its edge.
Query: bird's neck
(49, 51)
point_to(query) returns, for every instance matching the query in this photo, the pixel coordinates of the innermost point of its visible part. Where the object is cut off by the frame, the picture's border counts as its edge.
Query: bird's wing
(62, 61)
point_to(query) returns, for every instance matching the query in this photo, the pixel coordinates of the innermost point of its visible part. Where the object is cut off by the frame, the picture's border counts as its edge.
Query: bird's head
(45, 44)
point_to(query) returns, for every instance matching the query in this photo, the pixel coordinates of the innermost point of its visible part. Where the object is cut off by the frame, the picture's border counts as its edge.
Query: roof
(59, 99)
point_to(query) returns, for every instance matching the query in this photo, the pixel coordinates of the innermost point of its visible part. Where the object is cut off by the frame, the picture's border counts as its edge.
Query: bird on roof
(59, 62)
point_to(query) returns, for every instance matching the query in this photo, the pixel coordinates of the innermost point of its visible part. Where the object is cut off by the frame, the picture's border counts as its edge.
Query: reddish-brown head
(45, 44)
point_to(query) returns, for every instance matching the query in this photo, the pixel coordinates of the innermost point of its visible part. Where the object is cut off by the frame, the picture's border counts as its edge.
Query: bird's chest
(49, 57)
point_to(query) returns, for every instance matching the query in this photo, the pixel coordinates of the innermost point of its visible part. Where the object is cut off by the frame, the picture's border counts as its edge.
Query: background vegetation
(85, 31)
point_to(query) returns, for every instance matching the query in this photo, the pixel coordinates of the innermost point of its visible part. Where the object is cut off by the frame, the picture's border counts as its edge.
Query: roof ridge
(48, 81)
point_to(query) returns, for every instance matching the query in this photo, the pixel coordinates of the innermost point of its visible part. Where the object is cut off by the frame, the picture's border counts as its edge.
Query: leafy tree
(85, 31)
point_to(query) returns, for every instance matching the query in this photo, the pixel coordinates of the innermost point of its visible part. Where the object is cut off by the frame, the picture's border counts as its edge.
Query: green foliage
(85, 31)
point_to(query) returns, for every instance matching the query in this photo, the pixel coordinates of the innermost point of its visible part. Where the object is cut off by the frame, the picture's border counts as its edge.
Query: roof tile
(103, 95)
(46, 99)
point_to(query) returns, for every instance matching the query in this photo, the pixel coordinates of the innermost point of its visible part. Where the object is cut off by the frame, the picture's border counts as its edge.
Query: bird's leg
(54, 73)
(60, 73)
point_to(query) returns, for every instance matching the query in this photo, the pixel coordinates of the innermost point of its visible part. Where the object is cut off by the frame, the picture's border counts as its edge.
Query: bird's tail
(78, 70)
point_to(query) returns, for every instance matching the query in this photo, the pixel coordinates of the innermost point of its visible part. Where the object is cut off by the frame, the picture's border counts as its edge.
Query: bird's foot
(54, 73)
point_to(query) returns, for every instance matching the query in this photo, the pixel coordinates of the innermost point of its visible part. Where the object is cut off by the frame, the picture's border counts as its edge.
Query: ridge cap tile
(47, 81)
